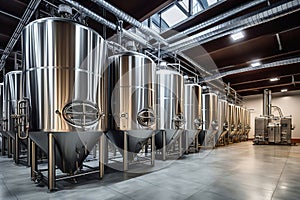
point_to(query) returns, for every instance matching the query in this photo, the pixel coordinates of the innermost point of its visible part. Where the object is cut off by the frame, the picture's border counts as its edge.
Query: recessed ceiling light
(237, 36)
(274, 79)
(284, 90)
(255, 64)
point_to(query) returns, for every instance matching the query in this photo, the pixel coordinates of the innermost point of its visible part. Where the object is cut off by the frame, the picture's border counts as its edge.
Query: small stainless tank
(192, 113)
(66, 83)
(13, 93)
(210, 119)
(170, 106)
(223, 120)
(132, 82)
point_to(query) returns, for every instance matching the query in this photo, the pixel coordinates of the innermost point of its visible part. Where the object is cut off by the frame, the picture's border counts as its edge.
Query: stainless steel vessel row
(69, 95)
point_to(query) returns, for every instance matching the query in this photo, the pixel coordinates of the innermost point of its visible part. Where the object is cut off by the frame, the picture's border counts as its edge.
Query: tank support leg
(185, 142)
(125, 156)
(3, 145)
(9, 147)
(180, 144)
(196, 145)
(33, 160)
(95, 150)
(153, 148)
(51, 162)
(101, 155)
(17, 149)
(29, 151)
(164, 150)
(105, 149)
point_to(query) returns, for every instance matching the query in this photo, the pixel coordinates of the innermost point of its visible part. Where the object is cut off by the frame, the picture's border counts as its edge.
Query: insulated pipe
(122, 15)
(234, 25)
(91, 14)
(247, 69)
(107, 23)
(214, 20)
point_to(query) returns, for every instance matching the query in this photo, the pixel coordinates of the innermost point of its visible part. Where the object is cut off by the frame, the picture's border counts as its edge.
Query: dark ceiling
(260, 42)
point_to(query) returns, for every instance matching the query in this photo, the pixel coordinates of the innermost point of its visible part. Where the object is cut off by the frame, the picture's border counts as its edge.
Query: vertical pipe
(17, 149)
(269, 102)
(153, 148)
(33, 160)
(265, 102)
(51, 162)
(101, 155)
(164, 151)
(9, 147)
(125, 156)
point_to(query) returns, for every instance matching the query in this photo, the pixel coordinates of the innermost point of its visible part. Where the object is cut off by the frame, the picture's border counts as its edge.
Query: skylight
(173, 16)
(185, 4)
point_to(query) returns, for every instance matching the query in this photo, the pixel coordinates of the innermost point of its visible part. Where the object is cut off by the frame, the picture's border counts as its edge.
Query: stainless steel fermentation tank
(233, 124)
(66, 84)
(240, 123)
(223, 119)
(210, 120)
(170, 110)
(4, 136)
(12, 96)
(193, 116)
(132, 82)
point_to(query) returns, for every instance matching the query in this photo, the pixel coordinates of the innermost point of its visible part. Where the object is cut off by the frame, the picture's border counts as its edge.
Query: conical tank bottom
(71, 147)
(207, 137)
(189, 137)
(135, 138)
(171, 136)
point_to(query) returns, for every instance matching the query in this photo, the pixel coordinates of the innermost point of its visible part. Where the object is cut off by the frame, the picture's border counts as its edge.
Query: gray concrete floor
(238, 171)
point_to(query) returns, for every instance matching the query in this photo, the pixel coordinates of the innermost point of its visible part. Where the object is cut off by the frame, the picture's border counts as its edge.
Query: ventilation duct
(247, 69)
(214, 20)
(107, 23)
(124, 16)
(234, 25)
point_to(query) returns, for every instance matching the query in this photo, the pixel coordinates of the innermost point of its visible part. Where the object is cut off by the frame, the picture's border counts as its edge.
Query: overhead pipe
(234, 25)
(107, 23)
(214, 20)
(31, 8)
(124, 16)
(247, 69)
(194, 63)
(10, 15)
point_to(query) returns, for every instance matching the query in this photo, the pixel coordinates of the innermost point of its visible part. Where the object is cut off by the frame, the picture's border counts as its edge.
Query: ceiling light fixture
(237, 36)
(284, 90)
(274, 79)
(255, 64)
